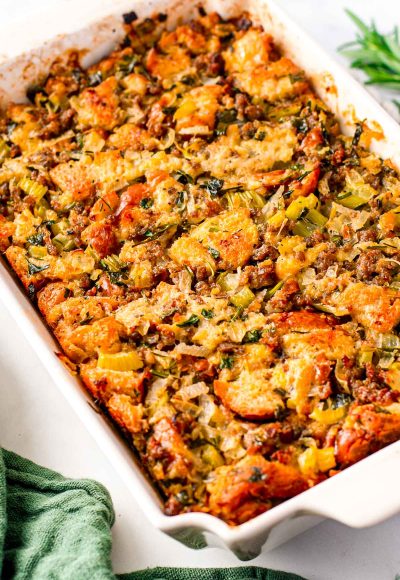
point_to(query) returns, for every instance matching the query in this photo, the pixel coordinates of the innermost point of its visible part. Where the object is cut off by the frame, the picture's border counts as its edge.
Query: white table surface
(37, 422)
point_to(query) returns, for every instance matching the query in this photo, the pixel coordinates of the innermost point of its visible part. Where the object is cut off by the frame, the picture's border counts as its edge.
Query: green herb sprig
(375, 53)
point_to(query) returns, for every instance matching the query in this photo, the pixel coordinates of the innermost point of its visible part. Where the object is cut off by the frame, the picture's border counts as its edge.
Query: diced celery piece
(212, 456)
(328, 416)
(91, 252)
(112, 263)
(393, 376)
(37, 251)
(295, 209)
(41, 208)
(316, 217)
(303, 228)
(228, 281)
(60, 227)
(308, 461)
(186, 109)
(326, 458)
(243, 298)
(95, 275)
(63, 243)
(250, 199)
(32, 188)
(120, 361)
(277, 219)
(354, 200)
(388, 341)
(365, 356)
(312, 220)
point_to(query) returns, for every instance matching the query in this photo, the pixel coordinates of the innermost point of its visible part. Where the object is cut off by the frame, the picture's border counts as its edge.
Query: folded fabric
(60, 529)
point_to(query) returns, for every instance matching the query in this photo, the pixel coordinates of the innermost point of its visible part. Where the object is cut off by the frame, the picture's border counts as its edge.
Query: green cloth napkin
(53, 528)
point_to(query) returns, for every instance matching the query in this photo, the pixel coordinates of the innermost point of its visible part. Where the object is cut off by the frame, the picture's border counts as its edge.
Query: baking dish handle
(361, 496)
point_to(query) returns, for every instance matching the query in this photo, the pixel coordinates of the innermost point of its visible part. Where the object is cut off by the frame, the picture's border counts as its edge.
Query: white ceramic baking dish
(364, 494)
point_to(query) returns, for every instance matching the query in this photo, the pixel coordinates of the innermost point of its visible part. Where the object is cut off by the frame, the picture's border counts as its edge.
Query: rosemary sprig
(374, 53)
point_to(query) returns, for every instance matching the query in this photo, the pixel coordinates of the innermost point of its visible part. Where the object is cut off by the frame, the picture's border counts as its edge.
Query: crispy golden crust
(241, 491)
(218, 263)
(364, 431)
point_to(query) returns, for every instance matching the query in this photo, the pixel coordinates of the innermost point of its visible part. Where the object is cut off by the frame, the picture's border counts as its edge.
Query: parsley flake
(214, 253)
(192, 321)
(226, 362)
(251, 336)
(146, 203)
(207, 313)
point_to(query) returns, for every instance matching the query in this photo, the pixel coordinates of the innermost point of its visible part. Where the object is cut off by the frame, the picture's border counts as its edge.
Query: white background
(36, 422)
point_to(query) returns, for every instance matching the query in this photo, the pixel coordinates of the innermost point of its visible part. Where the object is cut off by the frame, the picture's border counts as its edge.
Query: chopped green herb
(146, 203)
(35, 239)
(128, 63)
(188, 80)
(160, 374)
(252, 336)
(301, 125)
(180, 198)
(31, 291)
(139, 179)
(325, 133)
(239, 314)
(112, 263)
(48, 223)
(226, 362)
(357, 134)
(303, 175)
(340, 400)
(274, 289)
(260, 136)
(117, 278)
(169, 110)
(224, 119)
(34, 269)
(183, 497)
(374, 53)
(115, 268)
(207, 313)
(337, 240)
(213, 186)
(257, 475)
(233, 189)
(214, 253)
(96, 78)
(295, 78)
(184, 178)
(79, 140)
(10, 128)
(192, 321)
(149, 235)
